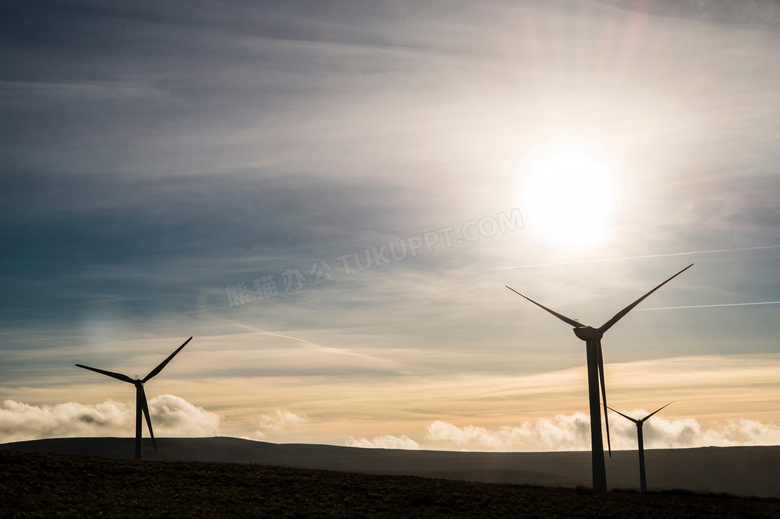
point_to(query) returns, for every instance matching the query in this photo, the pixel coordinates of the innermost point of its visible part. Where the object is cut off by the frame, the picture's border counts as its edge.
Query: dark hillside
(746, 471)
(56, 485)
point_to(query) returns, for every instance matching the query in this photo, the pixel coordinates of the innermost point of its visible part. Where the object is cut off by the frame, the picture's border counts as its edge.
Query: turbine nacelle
(588, 333)
(595, 365)
(142, 407)
(640, 442)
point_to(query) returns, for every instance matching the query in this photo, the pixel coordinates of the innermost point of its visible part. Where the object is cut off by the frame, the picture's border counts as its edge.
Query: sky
(331, 197)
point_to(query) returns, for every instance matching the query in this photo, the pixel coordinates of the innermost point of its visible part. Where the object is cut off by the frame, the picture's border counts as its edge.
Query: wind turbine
(140, 397)
(640, 440)
(595, 362)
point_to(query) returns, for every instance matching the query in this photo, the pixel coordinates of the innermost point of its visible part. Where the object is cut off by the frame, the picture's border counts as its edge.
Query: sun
(568, 196)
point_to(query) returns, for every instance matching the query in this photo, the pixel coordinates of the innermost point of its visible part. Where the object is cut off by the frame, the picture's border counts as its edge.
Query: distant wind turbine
(595, 362)
(140, 397)
(639, 423)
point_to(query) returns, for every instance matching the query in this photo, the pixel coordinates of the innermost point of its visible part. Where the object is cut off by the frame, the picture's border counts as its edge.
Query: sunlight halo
(568, 195)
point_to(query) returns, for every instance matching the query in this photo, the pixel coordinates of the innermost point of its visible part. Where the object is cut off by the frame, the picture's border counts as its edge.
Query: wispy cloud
(710, 306)
(135, 188)
(171, 416)
(645, 256)
(307, 343)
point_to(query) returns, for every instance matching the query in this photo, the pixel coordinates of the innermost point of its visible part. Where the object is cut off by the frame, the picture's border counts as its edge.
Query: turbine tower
(595, 362)
(140, 397)
(640, 440)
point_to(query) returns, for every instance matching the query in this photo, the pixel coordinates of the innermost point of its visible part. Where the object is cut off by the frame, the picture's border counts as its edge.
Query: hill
(37, 484)
(744, 471)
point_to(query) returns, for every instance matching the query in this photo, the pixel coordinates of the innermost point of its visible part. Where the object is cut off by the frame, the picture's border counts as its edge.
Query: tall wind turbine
(595, 362)
(140, 397)
(639, 423)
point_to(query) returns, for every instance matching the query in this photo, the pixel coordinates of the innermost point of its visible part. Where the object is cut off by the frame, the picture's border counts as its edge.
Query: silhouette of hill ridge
(41, 484)
(742, 471)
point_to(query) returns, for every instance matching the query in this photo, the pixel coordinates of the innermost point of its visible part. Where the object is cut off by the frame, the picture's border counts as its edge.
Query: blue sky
(154, 157)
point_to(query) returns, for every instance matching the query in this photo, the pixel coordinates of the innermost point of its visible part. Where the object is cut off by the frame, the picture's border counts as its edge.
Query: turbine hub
(588, 333)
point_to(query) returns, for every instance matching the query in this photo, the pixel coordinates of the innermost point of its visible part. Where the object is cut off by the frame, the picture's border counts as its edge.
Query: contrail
(634, 257)
(304, 342)
(709, 306)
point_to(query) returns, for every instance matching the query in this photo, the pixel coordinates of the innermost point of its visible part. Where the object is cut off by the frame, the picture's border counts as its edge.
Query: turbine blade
(556, 314)
(651, 414)
(623, 415)
(159, 368)
(606, 326)
(145, 407)
(118, 376)
(604, 397)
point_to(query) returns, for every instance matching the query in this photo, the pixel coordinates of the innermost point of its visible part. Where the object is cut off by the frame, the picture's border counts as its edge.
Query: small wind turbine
(595, 362)
(639, 423)
(140, 397)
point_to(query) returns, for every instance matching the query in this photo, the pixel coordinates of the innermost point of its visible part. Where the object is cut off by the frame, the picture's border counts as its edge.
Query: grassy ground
(53, 485)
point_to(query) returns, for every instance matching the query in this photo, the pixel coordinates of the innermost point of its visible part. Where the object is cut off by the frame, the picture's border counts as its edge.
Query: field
(37, 484)
(741, 471)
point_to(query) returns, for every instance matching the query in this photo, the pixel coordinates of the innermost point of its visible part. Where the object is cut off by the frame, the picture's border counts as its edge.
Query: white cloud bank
(171, 416)
(661, 433)
(572, 432)
(174, 416)
(387, 441)
(560, 433)
(277, 422)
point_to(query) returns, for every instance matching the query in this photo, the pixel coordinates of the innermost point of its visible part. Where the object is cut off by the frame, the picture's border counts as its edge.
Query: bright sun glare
(568, 197)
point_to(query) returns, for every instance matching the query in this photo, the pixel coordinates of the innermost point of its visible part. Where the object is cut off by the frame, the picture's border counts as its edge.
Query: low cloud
(171, 416)
(175, 416)
(384, 442)
(560, 433)
(277, 422)
(660, 433)
(572, 432)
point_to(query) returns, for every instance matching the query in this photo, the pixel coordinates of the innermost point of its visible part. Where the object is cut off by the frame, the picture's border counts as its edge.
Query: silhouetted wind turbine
(639, 423)
(140, 397)
(595, 362)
